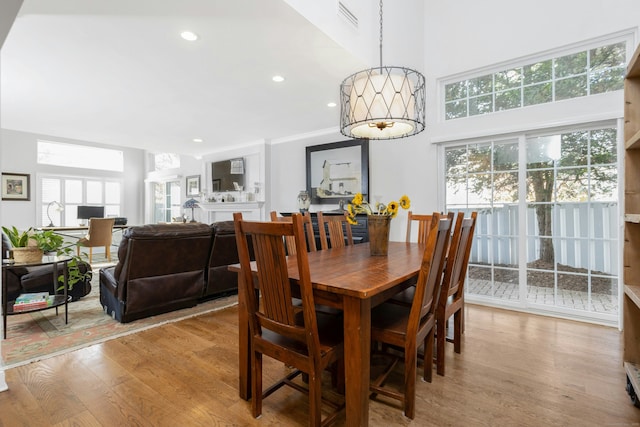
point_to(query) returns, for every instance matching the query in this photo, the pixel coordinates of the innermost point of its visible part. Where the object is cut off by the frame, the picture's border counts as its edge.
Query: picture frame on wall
(193, 185)
(337, 171)
(16, 186)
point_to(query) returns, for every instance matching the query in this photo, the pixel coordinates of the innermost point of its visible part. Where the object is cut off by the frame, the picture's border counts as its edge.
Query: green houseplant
(38, 242)
(25, 245)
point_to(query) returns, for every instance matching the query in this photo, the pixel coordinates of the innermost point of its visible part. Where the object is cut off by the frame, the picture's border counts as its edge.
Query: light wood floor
(515, 369)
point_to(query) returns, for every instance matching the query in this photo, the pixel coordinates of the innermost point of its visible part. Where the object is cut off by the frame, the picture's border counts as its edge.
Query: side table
(59, 299)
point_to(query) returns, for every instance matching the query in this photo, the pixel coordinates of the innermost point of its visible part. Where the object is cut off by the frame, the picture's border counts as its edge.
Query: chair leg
(457, 330)
(410, 364)
(90, 255)
(441, 339)
(428, 356)
(256, 384)
(107, 251)
(315, 399)
(337, 376)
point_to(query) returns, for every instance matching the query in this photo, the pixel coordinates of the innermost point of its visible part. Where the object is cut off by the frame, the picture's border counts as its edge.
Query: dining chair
(424, 225)
(100, 233)
(303, 339)
(396, 325)
(451, 300)
(311, 247)
(308, 227)
(339, 230)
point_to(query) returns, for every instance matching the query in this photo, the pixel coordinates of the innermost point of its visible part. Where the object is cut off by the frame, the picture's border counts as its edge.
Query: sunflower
(392, 208)
(359, 205)
(405, 203)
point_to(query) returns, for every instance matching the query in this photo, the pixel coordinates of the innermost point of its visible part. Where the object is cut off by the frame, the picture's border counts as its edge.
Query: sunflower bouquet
(359, 205)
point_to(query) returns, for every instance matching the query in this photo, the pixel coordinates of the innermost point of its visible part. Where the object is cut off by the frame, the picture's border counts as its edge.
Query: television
(227, 175)
(86, 212)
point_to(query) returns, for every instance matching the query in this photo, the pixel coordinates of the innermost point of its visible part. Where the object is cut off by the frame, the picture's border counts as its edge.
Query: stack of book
(33, 300)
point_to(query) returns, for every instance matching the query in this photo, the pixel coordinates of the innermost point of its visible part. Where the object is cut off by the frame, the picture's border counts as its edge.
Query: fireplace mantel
(223, 211)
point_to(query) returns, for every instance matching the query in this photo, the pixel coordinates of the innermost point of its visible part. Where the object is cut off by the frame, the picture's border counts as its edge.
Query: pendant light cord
(380, 34)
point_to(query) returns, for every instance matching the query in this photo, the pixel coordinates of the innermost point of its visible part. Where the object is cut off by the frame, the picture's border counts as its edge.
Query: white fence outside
(585, 235)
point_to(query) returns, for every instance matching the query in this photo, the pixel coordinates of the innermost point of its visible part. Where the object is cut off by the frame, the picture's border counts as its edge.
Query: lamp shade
(382, 103)
(191, 203)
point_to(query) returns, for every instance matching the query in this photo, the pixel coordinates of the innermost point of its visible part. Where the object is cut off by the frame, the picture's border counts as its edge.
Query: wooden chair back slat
(430, 276)
(424, 225)
(451, 301)
(289, 240)
(456, 271)
(339, 230)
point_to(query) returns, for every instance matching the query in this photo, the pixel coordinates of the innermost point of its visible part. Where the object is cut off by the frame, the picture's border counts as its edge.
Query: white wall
(18, 154)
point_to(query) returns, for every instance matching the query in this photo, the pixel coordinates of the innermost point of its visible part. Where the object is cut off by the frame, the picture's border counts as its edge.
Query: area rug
(42, 334)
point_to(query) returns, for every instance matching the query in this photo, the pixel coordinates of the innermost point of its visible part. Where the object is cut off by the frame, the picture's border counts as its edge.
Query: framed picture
(193, 185)
(337, 171)
(15, 186)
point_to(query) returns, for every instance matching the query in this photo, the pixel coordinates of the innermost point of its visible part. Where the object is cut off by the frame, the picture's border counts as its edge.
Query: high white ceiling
(118, 72)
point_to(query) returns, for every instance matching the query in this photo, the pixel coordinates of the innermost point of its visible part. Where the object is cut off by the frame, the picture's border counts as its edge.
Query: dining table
(353, 280)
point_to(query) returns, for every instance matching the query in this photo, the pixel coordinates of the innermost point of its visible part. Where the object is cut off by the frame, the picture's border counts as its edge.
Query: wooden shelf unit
(631, 302)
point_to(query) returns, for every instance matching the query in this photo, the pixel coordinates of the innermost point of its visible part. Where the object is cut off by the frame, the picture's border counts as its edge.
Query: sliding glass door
(547, 234)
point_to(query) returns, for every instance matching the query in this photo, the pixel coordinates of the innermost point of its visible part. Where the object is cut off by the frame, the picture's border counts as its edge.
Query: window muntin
(589, 72)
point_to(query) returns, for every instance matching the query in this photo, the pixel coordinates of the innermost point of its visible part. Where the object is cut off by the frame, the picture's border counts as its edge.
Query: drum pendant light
(382, 102)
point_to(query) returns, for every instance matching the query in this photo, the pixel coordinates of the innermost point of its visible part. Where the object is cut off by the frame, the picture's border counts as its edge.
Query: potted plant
(48, 241)
(25, 245)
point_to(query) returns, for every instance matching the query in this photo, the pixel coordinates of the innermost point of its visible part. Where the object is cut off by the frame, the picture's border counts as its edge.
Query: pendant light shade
(382, 103)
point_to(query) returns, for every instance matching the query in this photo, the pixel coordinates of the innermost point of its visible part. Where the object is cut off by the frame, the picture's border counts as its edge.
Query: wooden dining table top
(353, 271)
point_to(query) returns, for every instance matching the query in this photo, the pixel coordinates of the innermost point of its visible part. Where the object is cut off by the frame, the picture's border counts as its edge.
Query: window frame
(626, 36)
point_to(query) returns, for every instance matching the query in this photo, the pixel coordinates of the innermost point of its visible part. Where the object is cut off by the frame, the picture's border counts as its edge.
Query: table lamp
(57, 206)
(191, 203)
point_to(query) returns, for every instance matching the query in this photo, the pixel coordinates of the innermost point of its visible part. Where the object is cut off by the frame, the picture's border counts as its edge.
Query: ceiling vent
(344, 11)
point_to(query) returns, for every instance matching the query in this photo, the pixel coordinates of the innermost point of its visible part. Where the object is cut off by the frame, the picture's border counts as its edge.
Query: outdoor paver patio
(600, 303)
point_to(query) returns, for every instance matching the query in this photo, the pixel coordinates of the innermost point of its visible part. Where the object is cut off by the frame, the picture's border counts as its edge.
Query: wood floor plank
(515, 369)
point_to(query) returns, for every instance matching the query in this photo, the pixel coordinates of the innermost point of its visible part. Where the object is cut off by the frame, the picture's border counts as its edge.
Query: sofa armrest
(108, 279)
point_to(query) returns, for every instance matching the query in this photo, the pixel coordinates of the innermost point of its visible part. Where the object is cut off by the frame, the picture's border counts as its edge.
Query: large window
(546, 235)
(586, 72)
(80, 156)
(60, 197)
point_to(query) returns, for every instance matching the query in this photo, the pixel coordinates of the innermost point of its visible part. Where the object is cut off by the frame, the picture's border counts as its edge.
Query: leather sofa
(39, 278)
(224, 252)
(166, 267)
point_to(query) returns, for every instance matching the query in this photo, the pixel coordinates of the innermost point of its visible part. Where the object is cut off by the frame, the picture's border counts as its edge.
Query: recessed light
(198, 140)
(277, 79)
(189, 36)
(331, 104)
